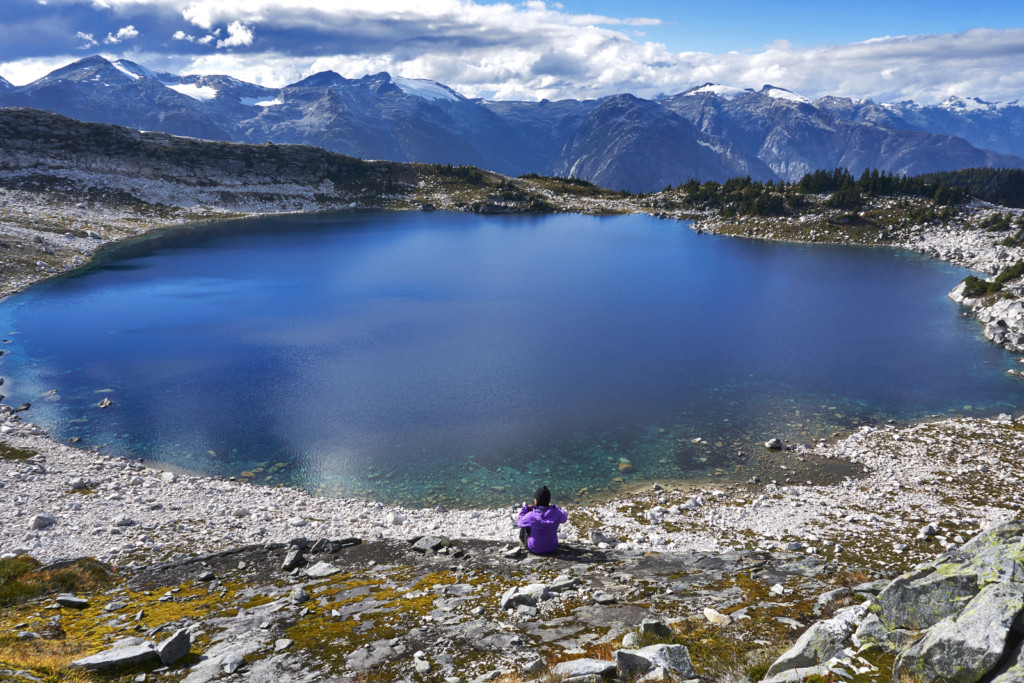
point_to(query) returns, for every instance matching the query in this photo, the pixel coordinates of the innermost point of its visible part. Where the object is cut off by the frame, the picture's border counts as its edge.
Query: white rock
(395, 518)
(716, 617)
(42, 521)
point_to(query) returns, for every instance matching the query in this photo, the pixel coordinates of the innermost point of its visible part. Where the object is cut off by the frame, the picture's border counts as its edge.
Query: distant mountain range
(710, 132)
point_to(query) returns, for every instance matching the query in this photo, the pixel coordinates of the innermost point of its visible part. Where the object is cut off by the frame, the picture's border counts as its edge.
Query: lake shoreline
(122, 511)
(169, 514)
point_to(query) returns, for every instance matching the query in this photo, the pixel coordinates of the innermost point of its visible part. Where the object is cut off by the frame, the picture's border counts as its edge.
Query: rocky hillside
(436, 609)
(67, 186)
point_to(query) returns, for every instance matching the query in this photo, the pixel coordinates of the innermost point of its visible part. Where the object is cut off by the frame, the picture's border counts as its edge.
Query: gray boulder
(537, 591)
(965, 648)
(820, 642)
(918, 600)
(175, 647)
(675, 659)
(652, 628)
(596, 669)
(563, 583)
(321, 570)
(108, 659)
(298, 596)
(513, 598)
(72, 601)
(430, 543)
(42, 521)
(292, 558)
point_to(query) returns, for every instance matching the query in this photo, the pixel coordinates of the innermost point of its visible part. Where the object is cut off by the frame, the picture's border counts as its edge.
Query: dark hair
(542, 496)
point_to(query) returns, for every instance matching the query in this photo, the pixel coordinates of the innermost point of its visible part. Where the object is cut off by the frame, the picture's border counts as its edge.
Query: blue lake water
(435, 358)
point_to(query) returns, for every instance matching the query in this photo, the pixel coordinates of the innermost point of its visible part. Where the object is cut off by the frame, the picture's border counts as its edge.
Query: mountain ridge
(709, 132)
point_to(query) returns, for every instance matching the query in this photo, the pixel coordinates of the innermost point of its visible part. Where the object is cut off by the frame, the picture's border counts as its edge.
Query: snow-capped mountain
(708, 132)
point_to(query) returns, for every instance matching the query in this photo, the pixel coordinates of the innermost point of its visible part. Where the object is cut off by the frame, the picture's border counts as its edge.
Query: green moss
(8, 452)
(21, 580)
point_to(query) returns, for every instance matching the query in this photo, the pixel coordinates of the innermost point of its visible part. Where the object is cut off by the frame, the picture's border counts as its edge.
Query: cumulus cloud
(26, 70)
(125, 33)
(238, 35)
(87, 40)
(535, 49)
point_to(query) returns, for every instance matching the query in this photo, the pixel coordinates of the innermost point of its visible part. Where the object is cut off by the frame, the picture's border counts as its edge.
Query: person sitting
(538, 523)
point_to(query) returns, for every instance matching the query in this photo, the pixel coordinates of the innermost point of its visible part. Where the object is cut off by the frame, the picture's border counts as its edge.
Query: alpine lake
(453, 359)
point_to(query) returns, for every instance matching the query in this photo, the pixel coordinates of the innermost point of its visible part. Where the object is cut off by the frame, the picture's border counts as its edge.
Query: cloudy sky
(884, 49)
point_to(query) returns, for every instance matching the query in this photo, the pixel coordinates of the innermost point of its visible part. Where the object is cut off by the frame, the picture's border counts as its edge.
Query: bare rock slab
(588, 669)
(108, 659)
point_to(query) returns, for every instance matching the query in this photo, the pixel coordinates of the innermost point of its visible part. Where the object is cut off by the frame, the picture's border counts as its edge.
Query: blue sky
(724, 25)
(888, 51)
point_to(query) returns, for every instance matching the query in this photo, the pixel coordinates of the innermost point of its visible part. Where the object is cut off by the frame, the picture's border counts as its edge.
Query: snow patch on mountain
(726, 92)
(203, 93)
(955, 103)
(428, 90)
(127, 72)
(133, 70)
(260, 101)
(783, 94)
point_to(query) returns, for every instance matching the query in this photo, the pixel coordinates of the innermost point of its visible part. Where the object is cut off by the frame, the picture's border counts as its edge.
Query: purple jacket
(543, 522)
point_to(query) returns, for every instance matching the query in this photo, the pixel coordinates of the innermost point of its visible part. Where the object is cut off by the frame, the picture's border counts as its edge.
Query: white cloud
(87, 40)
(126, 33)
(22, 71)
(597, 62)
(535, 49)
(238, 35)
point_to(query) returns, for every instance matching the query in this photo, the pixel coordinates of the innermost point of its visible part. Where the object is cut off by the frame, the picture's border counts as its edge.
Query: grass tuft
(21, 579)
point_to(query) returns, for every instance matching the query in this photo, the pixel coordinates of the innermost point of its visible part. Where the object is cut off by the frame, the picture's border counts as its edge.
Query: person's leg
(524, 533)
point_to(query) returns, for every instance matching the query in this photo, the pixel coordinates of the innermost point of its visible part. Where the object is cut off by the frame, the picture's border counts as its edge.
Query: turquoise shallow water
(459, 359)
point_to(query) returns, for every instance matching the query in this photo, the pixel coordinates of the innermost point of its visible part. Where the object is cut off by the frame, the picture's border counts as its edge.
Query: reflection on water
(462, 360)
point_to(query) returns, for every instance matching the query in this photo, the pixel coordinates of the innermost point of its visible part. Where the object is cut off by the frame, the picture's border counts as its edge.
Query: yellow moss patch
(48, 659)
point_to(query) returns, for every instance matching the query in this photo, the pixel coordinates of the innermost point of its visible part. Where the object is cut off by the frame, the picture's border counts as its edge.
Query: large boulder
(821, 642)
(175, 647)
(674, 659)
(965, 648)
(922, 598)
